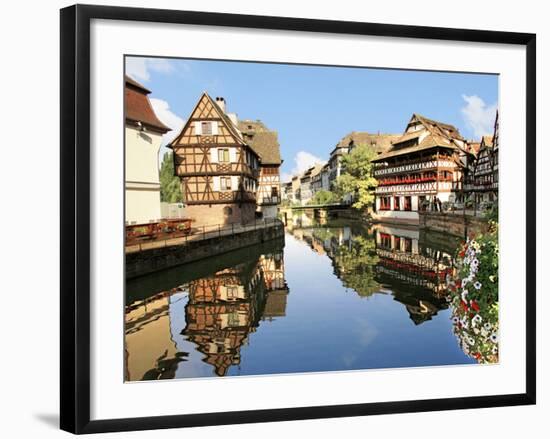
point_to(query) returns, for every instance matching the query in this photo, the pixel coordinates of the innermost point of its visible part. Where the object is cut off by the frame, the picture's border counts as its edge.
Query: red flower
(477, 355)
(475, 306)
(458, 283)
(464, 305)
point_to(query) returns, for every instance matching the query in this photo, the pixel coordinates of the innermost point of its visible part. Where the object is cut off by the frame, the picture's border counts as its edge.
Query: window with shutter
(198, 129)
(223, 155)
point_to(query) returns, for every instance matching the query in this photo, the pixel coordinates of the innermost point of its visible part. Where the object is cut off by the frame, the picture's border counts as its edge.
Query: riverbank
(158, 256)
(453, 223)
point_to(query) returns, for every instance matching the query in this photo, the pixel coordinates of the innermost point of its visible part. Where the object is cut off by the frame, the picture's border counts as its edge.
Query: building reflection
(226, 307)
(221, 312)
(147, 322)
(408, 263)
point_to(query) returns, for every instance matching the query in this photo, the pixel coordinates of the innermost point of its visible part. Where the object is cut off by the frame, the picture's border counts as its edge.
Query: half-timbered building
(479, 188)
(417, 173)
(463, 181)
(143, 137)
(217, 168)
(306, 180)
(265, 143)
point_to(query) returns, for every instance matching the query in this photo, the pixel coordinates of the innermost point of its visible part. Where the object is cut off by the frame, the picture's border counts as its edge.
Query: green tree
(323, 197)
(170, 188)
(357, 176)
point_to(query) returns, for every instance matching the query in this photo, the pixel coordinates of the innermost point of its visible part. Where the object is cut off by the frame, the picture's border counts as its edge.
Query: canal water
(331, 296)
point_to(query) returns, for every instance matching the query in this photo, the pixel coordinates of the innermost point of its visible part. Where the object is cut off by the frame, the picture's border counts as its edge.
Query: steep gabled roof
(437, 128)
(433, 134)
(262, 140)
(137, 106)
(230, 125)
(219, 113)
(380, 142)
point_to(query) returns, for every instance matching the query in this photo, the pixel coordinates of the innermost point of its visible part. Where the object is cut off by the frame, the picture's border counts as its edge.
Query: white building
(418, 172)
(143, 135)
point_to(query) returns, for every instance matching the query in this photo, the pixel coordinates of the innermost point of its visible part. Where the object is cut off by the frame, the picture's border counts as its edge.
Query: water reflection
(385, 258)
(226, 307)
(341, 302)
(221, 310)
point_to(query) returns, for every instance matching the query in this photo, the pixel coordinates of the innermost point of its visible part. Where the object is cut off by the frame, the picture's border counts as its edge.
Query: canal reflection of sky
(266, 310)
(325, 327)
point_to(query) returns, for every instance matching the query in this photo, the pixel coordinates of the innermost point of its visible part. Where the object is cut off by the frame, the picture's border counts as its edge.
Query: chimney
(221, 103)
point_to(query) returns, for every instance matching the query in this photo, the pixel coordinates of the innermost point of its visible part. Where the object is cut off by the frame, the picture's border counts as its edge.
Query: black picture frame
(75, 217)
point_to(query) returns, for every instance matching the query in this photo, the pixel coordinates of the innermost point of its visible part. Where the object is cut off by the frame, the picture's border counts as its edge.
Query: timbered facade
(217, 168)
(478, 187)
(265, 143)
(417, 173)
(223, 310)
(485, 181)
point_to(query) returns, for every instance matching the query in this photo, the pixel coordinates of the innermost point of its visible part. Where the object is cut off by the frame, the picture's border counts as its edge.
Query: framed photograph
(273, 218)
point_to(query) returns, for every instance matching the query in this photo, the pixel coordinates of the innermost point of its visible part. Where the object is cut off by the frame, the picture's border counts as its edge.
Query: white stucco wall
(142, 184)
(142, 206)
(397, 216)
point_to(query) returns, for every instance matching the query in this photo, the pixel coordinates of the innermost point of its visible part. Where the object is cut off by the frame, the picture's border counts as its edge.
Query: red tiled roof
(138, 107)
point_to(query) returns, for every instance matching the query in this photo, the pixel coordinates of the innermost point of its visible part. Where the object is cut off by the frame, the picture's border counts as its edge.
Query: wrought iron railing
(204, 232)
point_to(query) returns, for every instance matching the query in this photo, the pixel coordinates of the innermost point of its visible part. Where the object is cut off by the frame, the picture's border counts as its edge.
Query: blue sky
(313, 107)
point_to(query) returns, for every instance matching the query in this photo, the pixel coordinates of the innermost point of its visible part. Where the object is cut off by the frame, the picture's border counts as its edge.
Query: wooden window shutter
(233, 155)
(198, 129)
(216, 184)
(213, 155)
(234, 182)
(214, 128)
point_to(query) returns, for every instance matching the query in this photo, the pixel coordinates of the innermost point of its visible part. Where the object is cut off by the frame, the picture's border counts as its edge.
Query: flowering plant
(473, 296)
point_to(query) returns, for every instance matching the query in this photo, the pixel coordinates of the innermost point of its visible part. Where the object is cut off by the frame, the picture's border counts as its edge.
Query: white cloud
(140, 68)
(303, 160)
(479, 116)
(168, 118)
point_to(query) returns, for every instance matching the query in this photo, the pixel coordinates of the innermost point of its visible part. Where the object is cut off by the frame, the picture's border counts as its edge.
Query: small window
(274, 191)
(385, 203)
(395, 203)
(227, 211)
(225, 183)
(223, 155)
(206, 128)
(232, 291)
(407, 204)
(397, 243)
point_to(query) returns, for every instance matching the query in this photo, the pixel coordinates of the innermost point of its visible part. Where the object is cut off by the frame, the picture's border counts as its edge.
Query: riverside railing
(204, 232)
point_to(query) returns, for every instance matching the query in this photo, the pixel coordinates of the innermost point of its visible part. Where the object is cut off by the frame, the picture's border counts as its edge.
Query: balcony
(415, 188)
(414, 166)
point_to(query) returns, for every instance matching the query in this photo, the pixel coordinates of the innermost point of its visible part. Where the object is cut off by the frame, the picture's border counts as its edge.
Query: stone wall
(212, 214)
(150, 261)
(454, 224)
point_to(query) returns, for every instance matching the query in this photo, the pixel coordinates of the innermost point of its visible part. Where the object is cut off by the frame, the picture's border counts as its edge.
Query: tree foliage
(323, 197)
(357, 178)
(170, 188)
